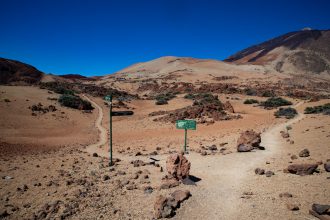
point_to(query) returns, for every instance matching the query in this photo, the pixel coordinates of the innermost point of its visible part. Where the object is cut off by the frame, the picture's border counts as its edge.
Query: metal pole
(110, 131)
(185, 140)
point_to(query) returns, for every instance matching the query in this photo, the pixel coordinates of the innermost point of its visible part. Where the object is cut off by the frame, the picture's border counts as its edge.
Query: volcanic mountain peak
(305, 51)
(15, 71)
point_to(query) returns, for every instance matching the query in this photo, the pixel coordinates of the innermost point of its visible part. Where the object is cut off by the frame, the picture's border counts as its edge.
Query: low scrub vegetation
(286, 112)
(250, 101)
(163, 98)
(75, 102)
(325, 109)
(274, 102)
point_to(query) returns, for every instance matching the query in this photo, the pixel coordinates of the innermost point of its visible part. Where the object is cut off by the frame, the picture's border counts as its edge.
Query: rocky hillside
(298, 52)
(14, 71)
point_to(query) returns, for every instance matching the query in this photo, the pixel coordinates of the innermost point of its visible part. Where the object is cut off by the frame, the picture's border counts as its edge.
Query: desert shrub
(189, 96)
(163, 98)
(325, 109)
(268, 93)
(286, 112)
(250, 101)
(276, 102)
(250, 92)
(75, 102)
(161, 102)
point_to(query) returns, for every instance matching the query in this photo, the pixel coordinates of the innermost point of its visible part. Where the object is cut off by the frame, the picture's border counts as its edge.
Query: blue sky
(97, 37)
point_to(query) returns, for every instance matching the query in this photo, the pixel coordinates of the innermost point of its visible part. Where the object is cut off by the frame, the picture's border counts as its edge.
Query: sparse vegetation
(325, 109)
(250, 101)
(163, 98)
(268, 93)
(75, 102)
(274, 102)
(286, 112)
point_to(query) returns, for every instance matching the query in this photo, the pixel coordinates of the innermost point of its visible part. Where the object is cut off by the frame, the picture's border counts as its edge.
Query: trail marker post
(186, 125)
(108, 98)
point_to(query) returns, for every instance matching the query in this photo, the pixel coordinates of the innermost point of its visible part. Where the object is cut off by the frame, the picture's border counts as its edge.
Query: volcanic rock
(327, 166)
(302, 169)
(304, 153)
(180, 195)
(321, 209)
(259, 171)
(248, 141)
(178, 166)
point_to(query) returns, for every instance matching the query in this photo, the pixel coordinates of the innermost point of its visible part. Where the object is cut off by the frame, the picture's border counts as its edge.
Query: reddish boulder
(180, 195)
(178, 166)
(302, 169)
(248, 141)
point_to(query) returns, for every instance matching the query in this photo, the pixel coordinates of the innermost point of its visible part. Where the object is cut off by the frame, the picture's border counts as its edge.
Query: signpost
(108, 98)
(186, 125)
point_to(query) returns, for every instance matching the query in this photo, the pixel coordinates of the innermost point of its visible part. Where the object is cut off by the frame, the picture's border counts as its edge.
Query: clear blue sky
(96, 37)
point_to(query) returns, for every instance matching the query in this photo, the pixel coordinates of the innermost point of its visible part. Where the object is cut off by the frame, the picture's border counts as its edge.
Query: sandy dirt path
(102, 140)
(217, 195)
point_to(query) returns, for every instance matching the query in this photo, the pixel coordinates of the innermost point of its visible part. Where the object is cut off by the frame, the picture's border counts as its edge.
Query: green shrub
(276, 102)
(163, 98)
(250, 101)
(75, 102)
(189, 96)
(286, 112)
(268, 93)
(325, 109)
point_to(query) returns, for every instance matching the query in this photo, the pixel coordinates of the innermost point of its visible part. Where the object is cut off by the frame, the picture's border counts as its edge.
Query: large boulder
(248, 141)
(302, 169)
(178, 166)
(165, 207)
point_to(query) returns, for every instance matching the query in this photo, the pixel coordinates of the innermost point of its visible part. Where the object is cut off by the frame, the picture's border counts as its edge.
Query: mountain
(305, 51)
(15, 71)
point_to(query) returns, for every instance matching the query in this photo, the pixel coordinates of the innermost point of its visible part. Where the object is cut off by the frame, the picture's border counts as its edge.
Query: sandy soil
(64, 127)
(70, 183)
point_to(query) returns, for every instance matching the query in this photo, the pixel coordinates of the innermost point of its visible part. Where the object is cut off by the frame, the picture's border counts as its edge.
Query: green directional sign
(186, 124)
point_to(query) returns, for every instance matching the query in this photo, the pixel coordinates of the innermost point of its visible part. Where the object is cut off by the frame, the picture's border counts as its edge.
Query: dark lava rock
(321, 209)
(327, 166)
(304, 153)
(95, 155)
(302, 169)
(106, 177)
(259, 171)
(269, 173)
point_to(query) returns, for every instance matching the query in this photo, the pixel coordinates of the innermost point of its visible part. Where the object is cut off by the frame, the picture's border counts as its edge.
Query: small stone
(148, 190)
(292, 207)
(259, 171)
(304, 153)
(285, 195)
(269, 173)
(106, 177)
(95, 155)
(294, 157)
